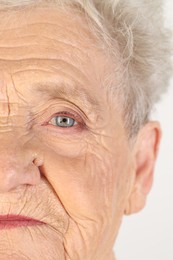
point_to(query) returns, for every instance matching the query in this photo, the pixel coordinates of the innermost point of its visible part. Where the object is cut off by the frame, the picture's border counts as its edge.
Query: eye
(63, 121)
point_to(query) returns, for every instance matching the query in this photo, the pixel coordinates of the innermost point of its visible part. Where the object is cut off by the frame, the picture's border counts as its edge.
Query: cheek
(63, 146)
(80, 183)
(88, 183)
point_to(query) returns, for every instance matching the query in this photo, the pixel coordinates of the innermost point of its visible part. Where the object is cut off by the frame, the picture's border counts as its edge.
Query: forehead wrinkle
(44, 15)
(31, 45)
(51, 65)
(61, 62)
(25, 30)
(70, 25)
(42, 51)
(22, 43)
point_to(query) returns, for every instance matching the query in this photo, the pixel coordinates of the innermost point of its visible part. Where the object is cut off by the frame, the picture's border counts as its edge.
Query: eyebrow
(70, 92)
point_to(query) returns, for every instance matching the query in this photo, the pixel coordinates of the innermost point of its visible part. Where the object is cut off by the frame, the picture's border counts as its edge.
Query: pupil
(64, 120)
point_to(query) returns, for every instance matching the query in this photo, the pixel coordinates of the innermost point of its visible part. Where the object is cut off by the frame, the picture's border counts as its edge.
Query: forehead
(49, 38)
(64, 32)
(45, 15)
(47, 46)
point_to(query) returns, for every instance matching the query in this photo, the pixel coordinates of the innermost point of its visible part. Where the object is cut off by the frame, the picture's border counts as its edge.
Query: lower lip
(14, 222)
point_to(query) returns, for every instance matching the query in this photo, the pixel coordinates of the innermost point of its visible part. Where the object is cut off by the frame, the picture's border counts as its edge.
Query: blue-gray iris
(64, 121)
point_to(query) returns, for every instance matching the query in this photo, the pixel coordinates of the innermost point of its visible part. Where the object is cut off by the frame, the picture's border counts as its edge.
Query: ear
(145, 153)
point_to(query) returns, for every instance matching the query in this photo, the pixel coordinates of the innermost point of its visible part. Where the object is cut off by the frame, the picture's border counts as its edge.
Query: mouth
(14, 221)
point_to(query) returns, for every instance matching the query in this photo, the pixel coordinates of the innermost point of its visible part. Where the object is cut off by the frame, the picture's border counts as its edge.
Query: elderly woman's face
(65, 159)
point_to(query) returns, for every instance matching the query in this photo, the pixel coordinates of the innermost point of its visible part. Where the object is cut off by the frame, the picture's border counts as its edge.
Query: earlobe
(136, 202)
(146, 150)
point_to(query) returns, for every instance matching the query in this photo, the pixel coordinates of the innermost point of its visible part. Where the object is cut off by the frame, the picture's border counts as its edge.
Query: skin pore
(81, 179)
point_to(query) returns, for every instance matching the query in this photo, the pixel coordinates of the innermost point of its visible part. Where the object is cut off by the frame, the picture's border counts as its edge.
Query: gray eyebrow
(72, 93)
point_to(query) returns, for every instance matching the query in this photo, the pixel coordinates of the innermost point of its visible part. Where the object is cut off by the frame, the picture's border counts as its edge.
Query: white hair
(137, 26)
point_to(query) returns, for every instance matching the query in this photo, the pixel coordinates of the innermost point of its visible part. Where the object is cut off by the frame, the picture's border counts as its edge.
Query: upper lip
(13, 217)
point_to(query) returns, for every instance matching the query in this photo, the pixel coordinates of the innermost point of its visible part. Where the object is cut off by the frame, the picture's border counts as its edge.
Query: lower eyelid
(55, 130)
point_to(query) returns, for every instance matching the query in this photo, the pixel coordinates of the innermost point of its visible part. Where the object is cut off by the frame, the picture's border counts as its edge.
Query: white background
(149, 234)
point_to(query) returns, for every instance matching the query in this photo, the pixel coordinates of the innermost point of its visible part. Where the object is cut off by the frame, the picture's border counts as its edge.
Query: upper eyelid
(57, 107)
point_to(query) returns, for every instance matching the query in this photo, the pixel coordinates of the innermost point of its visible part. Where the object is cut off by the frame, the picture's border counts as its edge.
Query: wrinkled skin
(78, 180)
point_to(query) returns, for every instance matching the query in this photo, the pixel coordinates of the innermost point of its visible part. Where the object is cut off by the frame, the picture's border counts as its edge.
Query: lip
(14, 221)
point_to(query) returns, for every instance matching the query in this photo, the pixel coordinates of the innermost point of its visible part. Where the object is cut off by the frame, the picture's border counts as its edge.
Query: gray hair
(144, 45)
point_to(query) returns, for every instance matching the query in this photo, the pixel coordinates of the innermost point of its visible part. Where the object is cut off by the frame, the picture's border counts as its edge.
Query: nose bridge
(17, 161)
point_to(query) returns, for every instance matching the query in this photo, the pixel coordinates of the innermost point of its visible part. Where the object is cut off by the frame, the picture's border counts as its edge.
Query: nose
(19, 165)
